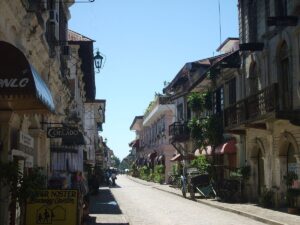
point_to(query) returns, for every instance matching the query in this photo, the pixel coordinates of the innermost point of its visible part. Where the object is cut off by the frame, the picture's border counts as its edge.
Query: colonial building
(218, 83)
(137, 126)
(45, 80)
(94, 118)
(266, 111)
(153, 137)
(32, 87)
(179, 89)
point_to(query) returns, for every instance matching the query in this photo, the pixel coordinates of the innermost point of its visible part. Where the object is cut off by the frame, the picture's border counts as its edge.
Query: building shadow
(103, 204)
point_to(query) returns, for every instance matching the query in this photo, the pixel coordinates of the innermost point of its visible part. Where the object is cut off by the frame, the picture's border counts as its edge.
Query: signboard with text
(54, 207)
(60, 132)
(26, 140)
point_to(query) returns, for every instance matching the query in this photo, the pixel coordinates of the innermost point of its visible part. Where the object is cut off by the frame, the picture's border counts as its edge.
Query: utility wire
(220, 26)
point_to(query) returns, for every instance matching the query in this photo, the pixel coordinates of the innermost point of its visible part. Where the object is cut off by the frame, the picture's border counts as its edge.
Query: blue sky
(146, 42)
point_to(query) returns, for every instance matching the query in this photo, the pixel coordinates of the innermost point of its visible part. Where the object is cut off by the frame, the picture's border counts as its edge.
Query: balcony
(156, 109)
(253, 108)
(179, 132)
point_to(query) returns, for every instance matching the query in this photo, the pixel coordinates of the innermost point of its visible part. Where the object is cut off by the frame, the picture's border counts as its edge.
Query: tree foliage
(206, 131)
(21, 186)
(201, 163)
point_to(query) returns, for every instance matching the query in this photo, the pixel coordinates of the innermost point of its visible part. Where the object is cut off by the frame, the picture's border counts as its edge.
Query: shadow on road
(104, 209)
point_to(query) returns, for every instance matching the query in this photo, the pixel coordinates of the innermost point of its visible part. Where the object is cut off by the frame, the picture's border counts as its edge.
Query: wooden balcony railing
(252, 108)
(179, 131)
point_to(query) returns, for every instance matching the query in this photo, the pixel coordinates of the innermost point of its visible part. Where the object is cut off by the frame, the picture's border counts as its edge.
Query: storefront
(67, 147)
(24, 100)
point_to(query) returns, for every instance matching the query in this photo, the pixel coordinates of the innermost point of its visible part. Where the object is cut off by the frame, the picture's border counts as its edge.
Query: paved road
(144, 205)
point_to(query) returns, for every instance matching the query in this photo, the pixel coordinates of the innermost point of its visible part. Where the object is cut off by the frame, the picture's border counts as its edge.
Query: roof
(183, 74)
(74, 36)
(214, 63)
(86, 54)
(135, 120)
(97, 101)
(230, 44)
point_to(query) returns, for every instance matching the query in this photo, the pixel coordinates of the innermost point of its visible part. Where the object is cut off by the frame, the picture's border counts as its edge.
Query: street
(139, 204)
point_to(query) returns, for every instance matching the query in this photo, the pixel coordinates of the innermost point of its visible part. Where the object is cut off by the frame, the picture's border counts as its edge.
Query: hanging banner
(55, 207)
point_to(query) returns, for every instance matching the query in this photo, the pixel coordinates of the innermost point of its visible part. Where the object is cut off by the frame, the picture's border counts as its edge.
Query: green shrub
(159, 174)
(201, 163)
(144, 172)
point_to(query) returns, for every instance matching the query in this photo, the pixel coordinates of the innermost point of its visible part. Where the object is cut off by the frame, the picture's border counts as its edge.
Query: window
(281, 7)
(267, 8)
(285, 87)
(218, 100)
(252, 20)
(180, 112)
(253, 79)
(231, 91)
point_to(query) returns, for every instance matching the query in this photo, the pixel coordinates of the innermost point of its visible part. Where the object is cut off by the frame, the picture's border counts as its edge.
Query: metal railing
(252, 108)
(179, 131)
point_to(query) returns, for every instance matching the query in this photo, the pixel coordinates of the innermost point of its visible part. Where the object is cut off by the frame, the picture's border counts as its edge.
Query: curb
(249, 215)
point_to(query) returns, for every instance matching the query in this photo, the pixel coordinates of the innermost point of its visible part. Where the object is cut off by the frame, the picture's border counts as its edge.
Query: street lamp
(98, 60)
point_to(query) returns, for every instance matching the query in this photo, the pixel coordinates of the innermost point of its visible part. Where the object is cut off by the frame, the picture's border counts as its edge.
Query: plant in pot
(292, 193)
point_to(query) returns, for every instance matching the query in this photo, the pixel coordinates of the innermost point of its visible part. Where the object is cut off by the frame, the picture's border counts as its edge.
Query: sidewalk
(252, 211)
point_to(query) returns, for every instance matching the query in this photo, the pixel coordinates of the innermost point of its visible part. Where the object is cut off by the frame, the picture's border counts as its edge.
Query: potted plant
(292, 193)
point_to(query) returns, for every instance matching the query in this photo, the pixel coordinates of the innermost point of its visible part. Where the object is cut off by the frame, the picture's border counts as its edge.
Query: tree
(116, 161)
(20, 186)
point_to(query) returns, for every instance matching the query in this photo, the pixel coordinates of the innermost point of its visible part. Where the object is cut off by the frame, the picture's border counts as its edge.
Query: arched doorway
(260, 172)
(288, 158)
(291, 160)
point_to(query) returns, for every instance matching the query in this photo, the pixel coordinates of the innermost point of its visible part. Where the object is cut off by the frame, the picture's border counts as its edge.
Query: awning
(161, 158)
(226, 148)
(206, 151)
(134, 143)
(152, 155)
(197, 152)
(177, 157)
(180, 157)
(21, 86)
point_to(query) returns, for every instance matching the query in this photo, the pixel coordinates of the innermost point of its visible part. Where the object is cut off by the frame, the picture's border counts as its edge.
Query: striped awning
(21, 86)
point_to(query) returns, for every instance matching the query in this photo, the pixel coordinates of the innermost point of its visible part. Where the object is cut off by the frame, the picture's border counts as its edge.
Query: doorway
(260, 173)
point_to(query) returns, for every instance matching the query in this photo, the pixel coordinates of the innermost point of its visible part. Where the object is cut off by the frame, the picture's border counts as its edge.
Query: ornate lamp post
(98, 60)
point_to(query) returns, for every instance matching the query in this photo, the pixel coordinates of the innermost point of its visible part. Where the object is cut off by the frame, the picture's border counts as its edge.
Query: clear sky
(146, 42)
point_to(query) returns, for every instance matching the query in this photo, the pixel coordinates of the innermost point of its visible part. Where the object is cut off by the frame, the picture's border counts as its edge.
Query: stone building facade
(267, 93)
(32, 91)
(38, 72)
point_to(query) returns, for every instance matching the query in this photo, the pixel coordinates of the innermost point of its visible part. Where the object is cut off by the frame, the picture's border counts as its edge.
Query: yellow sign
(53, 207)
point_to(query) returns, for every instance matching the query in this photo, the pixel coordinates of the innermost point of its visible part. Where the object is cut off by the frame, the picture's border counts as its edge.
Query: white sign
(59, 132)
(26, 140)
(13, 82)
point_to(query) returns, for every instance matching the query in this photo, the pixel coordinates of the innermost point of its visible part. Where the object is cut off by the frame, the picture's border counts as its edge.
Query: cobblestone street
(141, 204)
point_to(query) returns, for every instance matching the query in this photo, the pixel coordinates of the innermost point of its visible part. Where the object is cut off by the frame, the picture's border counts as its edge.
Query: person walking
(113, 177)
